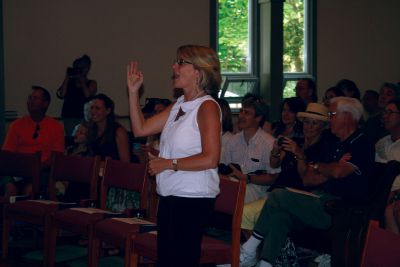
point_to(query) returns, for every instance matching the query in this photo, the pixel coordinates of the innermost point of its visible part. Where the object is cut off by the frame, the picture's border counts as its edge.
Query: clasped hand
(157, 164)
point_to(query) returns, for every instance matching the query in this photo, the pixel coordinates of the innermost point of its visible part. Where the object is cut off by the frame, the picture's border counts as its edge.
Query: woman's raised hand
(134, 78)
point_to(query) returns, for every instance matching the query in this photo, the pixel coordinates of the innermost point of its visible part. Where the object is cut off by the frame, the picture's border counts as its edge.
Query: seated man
(32, 133)
(251, 149)
(374, 127)
(336, 178)
(387, 149)
(292, 156)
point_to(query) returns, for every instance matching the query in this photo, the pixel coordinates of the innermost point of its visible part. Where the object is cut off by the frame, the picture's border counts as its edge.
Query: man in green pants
(344, 174)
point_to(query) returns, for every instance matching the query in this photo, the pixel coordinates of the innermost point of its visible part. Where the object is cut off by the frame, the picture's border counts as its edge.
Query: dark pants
(181, 222)
(286, 211)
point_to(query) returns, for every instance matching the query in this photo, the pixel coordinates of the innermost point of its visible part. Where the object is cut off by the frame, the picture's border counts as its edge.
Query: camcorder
(74, 72)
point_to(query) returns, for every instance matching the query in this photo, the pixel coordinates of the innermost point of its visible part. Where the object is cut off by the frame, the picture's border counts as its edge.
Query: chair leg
(48, 242)
(51, 246)
(90, 246)
(6, 235)
(128, 252)
(94, 251)
(133, 258)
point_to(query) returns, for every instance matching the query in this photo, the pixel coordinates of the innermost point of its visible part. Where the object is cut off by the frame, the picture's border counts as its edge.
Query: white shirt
(181, 139)
(251, 157)
(387, 150)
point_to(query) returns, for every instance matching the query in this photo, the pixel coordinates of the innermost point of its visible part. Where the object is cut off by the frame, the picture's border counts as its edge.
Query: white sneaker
(247, 259)
(223, 265)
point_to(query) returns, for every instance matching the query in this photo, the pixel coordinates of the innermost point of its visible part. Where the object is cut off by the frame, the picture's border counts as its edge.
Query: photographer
(75, 90)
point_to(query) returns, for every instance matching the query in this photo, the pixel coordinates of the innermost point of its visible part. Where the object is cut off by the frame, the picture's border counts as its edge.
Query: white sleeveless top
(180, 139)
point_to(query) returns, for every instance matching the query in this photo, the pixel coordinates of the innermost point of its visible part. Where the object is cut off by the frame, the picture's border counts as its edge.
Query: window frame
(310, 47)
(253, 74)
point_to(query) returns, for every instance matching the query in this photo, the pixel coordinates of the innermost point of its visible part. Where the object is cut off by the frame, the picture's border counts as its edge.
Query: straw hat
(314, 111)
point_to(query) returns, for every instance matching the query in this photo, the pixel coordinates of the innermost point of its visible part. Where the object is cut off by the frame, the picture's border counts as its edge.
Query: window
(236, 25)
(236, 48)
(297, 44)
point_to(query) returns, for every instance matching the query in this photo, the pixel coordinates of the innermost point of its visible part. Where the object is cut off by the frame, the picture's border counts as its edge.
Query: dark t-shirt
(355, 186)
(289, 176)
(74, 100)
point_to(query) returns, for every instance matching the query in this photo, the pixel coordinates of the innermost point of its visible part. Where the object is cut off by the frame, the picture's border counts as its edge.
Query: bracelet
(299, 158)
(248, 178)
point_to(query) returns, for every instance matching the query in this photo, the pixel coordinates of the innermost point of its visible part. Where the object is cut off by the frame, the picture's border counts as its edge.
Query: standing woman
(186, 168)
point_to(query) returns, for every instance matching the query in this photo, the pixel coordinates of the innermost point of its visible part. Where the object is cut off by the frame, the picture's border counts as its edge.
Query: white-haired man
(343, 174)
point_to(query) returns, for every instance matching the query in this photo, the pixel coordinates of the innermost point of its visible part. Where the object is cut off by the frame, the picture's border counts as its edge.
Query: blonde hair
(206, 61)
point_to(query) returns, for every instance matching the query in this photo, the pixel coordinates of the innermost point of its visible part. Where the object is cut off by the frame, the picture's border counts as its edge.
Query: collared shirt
(253, 156)
(354, 186)
(387, 150)
(181, 138)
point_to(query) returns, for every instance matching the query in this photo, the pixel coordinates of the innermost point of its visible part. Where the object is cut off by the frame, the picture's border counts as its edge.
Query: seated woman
(108, 138)
(289, 125)
(387, 149)
(292, 156)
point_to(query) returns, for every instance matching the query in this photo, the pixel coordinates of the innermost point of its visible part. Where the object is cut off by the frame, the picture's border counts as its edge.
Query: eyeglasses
(331, 114)
(36, 133)
(390, 112)
(181, 62)
(311, 122)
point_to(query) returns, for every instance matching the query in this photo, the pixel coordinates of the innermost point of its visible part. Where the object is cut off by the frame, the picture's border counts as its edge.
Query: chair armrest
(13, 199)
(114, 215)
(67, 205)
(137, 213)
(88, 203)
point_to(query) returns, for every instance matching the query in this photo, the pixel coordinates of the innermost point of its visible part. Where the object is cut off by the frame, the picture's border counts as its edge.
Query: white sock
(263, 263)
(250, 246)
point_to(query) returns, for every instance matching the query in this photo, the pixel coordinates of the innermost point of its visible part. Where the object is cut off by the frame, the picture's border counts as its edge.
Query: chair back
(231, 201)
(24, 165)
(382, 247)
(125, 175)
(74, 168)
(384, 175)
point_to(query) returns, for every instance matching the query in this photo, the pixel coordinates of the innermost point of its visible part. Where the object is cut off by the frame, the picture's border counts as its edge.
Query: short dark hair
(259, 105)
(45, 93)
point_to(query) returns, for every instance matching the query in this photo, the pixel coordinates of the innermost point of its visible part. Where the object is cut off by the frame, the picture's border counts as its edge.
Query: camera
(74, 72)
(226, 170)
(280, 141)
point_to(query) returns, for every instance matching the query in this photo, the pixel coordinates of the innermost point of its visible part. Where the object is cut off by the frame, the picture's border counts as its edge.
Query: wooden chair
(129, 176)
(119, 231)
(230, 201)
(382, 247)
(24, 165)
(16, 164)
(39, 212)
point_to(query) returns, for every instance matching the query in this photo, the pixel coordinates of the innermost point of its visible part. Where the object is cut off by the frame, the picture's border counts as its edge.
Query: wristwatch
(175, 164)
(315, 166)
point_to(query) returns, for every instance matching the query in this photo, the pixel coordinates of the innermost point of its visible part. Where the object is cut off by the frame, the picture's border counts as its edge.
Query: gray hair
(350, 105)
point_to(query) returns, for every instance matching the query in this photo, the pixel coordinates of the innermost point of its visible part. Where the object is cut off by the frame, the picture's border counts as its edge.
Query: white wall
(358, 40)
(43, 37)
